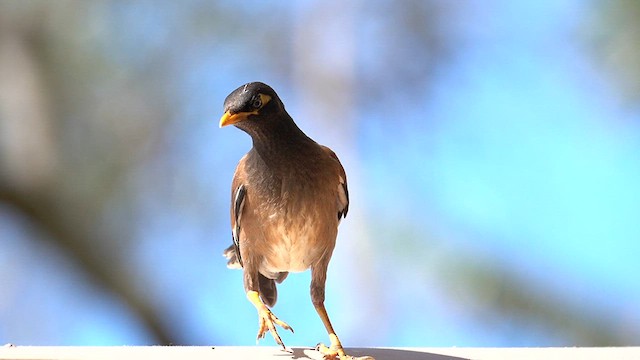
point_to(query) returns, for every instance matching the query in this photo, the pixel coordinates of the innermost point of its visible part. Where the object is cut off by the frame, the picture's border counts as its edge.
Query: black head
(254, 101)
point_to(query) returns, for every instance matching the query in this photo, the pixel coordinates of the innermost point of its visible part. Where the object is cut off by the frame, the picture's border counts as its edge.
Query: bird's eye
(256, 102)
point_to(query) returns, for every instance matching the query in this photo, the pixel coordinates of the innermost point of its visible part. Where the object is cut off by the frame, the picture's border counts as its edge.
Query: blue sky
(521, 155)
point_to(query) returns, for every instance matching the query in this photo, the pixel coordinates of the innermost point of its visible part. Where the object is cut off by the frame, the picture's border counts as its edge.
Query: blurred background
(492, 150)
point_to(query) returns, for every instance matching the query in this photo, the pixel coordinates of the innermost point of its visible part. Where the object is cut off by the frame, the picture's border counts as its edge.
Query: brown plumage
(288, 196)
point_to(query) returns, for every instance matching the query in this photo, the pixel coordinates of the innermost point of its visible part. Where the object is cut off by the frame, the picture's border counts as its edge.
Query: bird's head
(253, 102)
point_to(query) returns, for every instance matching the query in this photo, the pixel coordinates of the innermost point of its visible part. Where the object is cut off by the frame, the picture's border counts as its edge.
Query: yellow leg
(336, 348)
(268, 320)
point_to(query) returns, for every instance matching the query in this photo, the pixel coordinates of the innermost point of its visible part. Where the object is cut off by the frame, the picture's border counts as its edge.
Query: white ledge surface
(267, 352)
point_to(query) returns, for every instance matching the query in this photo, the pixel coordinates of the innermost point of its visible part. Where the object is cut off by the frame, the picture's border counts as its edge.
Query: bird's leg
(318, 279)
(336, 348)
(268, 320)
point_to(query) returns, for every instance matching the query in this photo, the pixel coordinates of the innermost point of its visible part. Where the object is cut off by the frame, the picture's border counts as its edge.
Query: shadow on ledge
(378, 354)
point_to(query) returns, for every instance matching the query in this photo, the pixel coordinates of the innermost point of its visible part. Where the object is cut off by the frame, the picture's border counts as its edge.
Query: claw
(327, 353)
(336, 351)
(268, 322)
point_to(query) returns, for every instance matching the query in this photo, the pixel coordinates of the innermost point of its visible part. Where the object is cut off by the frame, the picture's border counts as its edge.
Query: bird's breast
(295, 211)
(297, 240)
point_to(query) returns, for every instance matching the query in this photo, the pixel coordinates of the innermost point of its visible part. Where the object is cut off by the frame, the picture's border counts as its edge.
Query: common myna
(288, 195)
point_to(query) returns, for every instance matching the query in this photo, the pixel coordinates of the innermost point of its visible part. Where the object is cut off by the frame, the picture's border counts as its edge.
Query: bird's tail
(231, 255)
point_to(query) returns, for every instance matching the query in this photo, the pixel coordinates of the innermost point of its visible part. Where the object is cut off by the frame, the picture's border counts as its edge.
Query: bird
(288, 195)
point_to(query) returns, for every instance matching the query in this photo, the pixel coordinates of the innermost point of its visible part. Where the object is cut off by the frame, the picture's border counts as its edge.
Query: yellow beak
(230, 119)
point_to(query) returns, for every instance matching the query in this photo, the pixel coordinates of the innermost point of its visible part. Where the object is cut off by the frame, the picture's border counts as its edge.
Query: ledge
(267, 352)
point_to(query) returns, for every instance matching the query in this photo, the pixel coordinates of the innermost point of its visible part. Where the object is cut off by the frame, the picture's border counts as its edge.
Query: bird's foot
(336, 351)
(268, 322)
(330, 353)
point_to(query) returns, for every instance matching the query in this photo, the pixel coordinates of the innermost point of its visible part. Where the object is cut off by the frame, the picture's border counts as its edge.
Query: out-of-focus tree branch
(77, 121)
(497, 295)
(613, 36)
(53, 181)
(70, 235)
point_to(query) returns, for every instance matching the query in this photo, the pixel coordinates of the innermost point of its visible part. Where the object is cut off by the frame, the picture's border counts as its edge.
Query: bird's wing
(238, 196)
(236, 217)
(343, 190)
